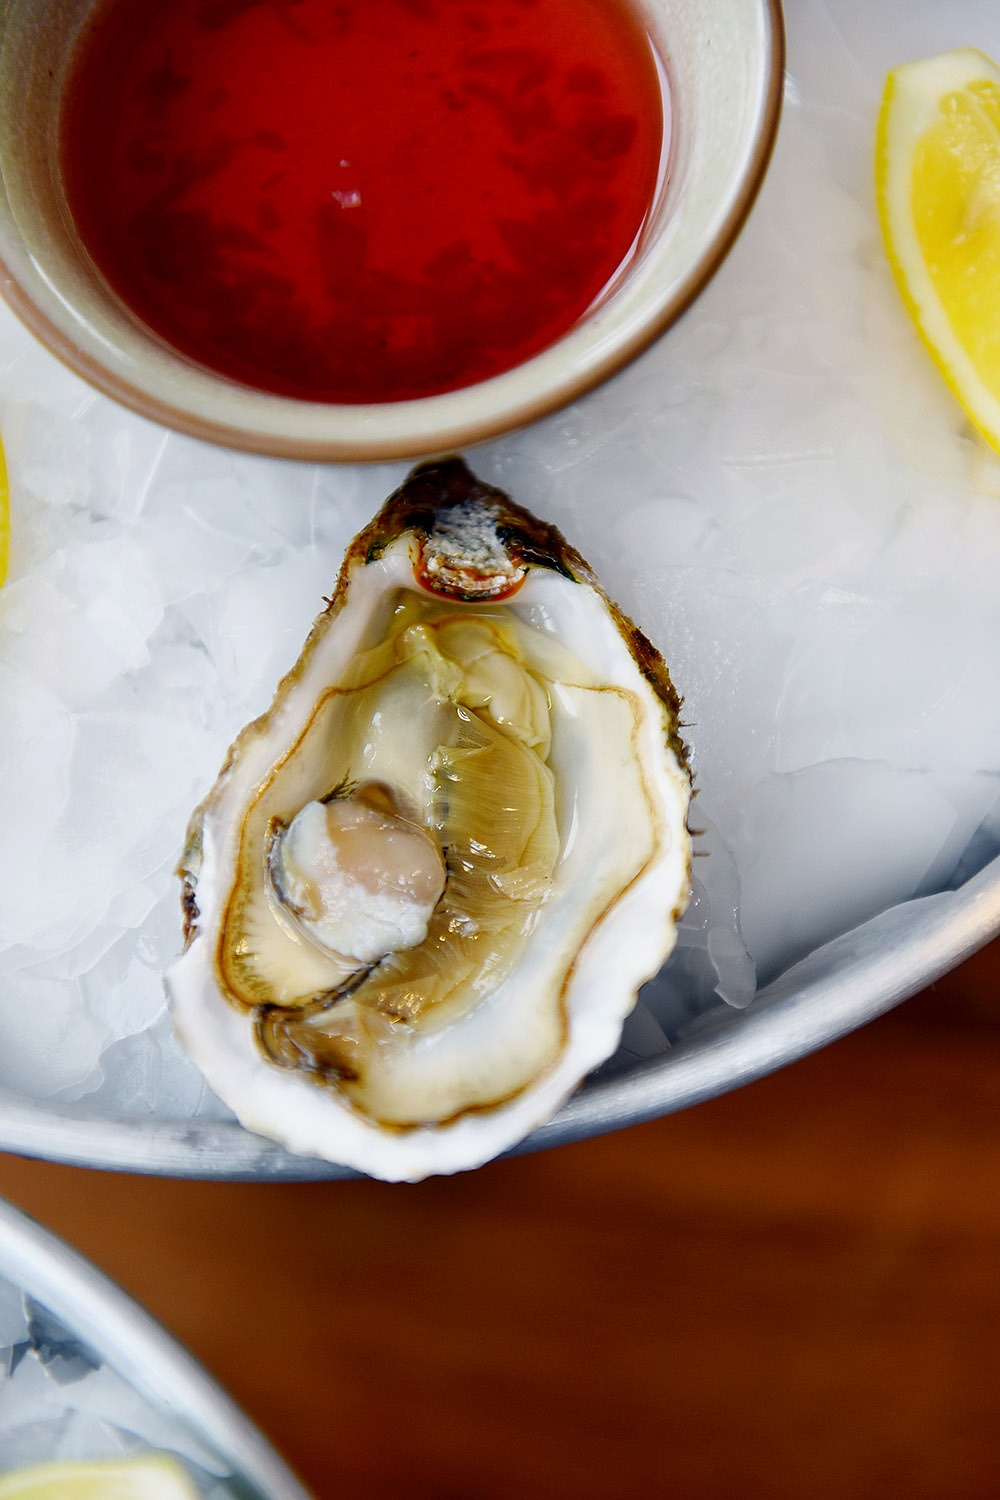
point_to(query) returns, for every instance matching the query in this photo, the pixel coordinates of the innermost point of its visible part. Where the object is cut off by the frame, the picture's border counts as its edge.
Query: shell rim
(432, 491)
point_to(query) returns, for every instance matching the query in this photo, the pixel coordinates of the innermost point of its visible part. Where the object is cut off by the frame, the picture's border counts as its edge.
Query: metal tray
(115, 1330)
(839, 985)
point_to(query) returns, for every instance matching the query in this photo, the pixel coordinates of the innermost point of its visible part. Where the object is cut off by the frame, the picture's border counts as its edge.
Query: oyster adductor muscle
(422, 895)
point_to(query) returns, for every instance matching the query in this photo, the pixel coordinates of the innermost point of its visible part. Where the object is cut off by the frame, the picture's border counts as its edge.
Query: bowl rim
(514, 413)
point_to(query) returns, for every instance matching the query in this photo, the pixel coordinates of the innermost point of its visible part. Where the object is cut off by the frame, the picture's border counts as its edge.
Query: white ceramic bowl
(724, 60)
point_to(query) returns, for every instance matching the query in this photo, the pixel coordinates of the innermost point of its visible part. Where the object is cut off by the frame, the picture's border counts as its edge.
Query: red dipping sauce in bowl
(354, 201)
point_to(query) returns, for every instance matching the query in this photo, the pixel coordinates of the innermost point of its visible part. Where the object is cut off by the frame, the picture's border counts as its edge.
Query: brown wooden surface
(792, 1291)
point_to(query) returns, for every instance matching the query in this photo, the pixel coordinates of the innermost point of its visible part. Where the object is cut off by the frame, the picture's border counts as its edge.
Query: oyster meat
(422, 895)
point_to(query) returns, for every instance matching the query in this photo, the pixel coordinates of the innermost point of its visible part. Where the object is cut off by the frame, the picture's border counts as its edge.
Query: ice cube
(13, 1322)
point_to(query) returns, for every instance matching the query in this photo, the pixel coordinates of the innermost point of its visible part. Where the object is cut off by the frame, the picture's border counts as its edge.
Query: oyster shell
(423, 893)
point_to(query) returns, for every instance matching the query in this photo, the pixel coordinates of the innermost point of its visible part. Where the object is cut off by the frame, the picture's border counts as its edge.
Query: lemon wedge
(4, 517)
(152, 1477)
(938, 180)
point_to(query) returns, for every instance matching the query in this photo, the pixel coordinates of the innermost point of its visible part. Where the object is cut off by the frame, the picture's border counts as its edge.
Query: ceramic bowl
(724, 61)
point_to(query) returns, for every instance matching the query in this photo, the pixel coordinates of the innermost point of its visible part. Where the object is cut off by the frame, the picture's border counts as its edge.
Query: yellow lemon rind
(153, 1476)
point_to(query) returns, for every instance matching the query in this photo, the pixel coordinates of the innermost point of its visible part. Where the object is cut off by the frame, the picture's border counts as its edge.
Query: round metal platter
(840, 985)
(116, 1331)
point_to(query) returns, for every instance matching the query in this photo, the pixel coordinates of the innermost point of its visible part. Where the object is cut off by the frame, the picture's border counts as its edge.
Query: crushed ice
(59, 1401)
(782, 493)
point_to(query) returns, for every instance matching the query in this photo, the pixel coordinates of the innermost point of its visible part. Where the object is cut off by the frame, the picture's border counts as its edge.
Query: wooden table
(792, 1291)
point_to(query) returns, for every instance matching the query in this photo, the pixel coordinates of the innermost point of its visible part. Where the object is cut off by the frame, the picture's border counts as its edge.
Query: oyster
(423, 893)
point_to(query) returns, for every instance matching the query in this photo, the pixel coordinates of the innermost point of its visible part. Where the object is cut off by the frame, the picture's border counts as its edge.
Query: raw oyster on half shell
(422, 895)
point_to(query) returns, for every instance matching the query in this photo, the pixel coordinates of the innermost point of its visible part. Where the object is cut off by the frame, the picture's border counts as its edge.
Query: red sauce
(361, 200)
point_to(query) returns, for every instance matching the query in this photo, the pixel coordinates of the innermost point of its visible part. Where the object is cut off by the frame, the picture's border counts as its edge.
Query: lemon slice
(152, 1477)
(938, 181)
(4, 517)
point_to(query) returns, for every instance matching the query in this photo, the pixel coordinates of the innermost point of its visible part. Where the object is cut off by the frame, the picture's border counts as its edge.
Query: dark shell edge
(439, 484)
